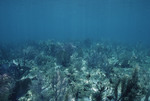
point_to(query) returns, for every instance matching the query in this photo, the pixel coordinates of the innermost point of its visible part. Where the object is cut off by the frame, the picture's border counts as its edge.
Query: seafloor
(74, 71)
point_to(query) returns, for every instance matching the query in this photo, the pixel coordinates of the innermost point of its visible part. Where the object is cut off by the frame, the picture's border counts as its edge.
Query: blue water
(118, 20)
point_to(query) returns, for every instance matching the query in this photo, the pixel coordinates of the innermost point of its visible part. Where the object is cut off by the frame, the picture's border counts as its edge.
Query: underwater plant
(36, 87)
(98, 95)
(20, 88)
(64, 54)
(41, 59)
(48, 88)
(93, 60)
(130, 88)
(30, 52)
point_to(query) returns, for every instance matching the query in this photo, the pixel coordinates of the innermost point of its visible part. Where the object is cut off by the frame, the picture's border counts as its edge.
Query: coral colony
(74, 71)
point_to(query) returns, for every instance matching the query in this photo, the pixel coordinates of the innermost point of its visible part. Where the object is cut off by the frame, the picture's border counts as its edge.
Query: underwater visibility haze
(74, 50)
(120, 20)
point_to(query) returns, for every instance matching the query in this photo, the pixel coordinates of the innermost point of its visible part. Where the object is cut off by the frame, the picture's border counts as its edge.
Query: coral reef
(74, 71)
